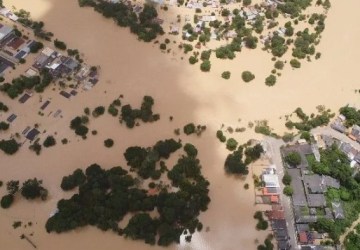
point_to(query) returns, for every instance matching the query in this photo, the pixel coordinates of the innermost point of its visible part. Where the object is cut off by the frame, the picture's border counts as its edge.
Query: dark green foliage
(306, 124)
(247, 76)
(246, 2)
(109, 143)
(304, 45)
(59, 44)
(293, 159)
(193, 60)
(253, 153)
(100, 110)
(220, 135)
(234, 163)
(145, 113)
(12, 186)
(286, 179)
(113, 110)
(295, 63)
(80, 129)
(163, 46)
(270, 80)
(107, 196)
(144, 160)
(189, 128)
(251, 42)
(231, 144)
(143, 25)
(279, 65)
(288, 191)
(49, 141)
(166, 147)
(205, 55)
(36, 46)
(9, 147)
(352, 240)
(277, 45)
(190, 150)
(225, 52)
(352, 115)
(305, 135)
(267, 245)
(77, 178)
(226, 74)
(4, 126)
(142, 227)
(3, 107)
(262, 224)
(16, 224)
(7, 200)
(32, 189)
(205, 66)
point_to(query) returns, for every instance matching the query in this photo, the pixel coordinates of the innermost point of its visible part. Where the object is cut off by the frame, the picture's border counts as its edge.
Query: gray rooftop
(316, 200)
(298, 197)
(338, 210)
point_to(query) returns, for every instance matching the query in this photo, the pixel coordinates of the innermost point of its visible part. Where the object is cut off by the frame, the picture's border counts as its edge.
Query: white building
(271, 180)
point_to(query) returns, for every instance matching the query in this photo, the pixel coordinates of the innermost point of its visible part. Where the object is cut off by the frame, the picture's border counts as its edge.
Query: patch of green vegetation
(307, 123)
(105, 197)
(142, 25)
(247, 76)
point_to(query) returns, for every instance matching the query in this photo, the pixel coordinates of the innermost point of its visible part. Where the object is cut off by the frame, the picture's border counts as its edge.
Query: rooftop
(271, 180)
(298, 197)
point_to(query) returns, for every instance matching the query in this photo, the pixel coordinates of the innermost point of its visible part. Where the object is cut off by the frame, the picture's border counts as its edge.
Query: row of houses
(309, 193)
(270, 194)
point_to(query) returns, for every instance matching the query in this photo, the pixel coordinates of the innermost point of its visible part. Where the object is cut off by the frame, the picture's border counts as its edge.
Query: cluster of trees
(76, 179)
(247, 76)
(144, 160)
(19, 84)
(145, 113)
(78, 125)
(105, 197)
(235, 164)
(37, 27)
(270, 80)
(31, 189)
(352, 240)
(36, 46)
(191, 128)
(293, 159)
(143, 25)
(294, 7)
(307, 123)
(49, 141)
(267, 244)
(3, 107)
(109, 143)
(304, 44)
(9, 147)
(226, 75)
(60, 44)
(220, 135)
(113, 107)
(98, 111)
(277, 45)
(4, 126)
(352, 116)
(262, 224)
(335, 163)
